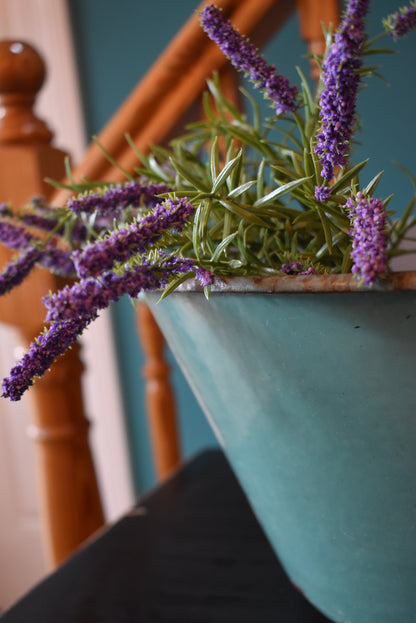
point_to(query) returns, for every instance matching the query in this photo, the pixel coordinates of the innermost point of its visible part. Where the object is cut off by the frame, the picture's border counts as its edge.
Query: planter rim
(398, 281)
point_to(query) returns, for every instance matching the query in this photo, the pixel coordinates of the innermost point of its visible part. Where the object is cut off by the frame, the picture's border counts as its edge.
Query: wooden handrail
(70, 506)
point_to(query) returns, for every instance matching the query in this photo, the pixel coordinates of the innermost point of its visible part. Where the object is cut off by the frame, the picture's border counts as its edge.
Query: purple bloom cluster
(42, 353)
(341, 80)
(73, 308)
(322, 193)
(77, 300)
(369, 237)
(18, 270)
(58, 261)
(14, 236)
(245, 57)
(398, 24)
(296, 268)
(205, 276)
(136, 237)
(118, 197)
(17, 237)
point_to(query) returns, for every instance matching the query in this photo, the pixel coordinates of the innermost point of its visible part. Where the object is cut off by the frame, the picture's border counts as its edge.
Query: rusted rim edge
(400, 281)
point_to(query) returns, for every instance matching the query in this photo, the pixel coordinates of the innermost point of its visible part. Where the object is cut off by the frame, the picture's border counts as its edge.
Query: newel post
(69, 501)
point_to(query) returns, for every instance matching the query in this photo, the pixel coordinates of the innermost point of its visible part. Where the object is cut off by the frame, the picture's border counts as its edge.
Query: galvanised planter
(310, 386)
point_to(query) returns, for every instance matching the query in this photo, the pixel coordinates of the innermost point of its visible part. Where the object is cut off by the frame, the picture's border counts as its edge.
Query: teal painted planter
(313, 397)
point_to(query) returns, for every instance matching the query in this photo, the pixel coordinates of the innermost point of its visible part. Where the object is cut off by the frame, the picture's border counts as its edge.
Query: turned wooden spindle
(159, 395)
(69, 501)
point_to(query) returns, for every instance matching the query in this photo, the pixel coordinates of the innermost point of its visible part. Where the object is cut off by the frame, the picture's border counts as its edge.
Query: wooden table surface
(190, 552)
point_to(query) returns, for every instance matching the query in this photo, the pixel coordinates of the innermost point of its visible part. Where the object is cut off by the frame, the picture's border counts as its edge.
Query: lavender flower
(58, 261)
(120, 245)
(245, 57)
(400, 23)
(18, 270)
(341, 80)
(42, 353)
(205, 276)
(296, 268)
(73, 308)
(90, 293)
(322, 193)
(369, 237)
(14, 236)
(118, 197)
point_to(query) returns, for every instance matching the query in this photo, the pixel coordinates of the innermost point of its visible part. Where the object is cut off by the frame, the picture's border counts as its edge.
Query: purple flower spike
(14, 236)
(296, 268)
(58, 261)
(118, 197)
(73, 308)
(42, 354)
(322, 193)
(17, 271)
(205, 276)
(369, 237)
(135, 238)
(245, 57)
(341, 80)
(400, 23)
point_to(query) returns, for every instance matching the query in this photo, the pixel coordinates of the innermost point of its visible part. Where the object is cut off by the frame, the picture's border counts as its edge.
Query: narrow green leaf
(225, 172)
(409, 175)
(255, 107)
(290, 173)
(239, 190)
(316, 163)
(223, 245)
(309, 103)
(175, 284)
(214, 159)
(189, 177)
(157, 169)
(206, 104)
(111, 159)
(279, 192)
(214, 87)
(243, 213)
(308, 164)
(348, 176)
(326, 224)
(371, 186)
(347, 260)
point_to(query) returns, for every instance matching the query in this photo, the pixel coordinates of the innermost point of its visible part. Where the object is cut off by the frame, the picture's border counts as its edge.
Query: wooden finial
(22, 73)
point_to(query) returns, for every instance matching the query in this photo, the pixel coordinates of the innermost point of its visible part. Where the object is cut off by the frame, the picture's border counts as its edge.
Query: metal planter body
(313, 397)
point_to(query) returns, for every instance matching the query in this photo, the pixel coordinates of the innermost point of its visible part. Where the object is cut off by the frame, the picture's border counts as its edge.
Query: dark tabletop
(190, 552)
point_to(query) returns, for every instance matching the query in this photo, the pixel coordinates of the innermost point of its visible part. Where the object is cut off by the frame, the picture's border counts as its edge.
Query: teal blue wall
(117, 43)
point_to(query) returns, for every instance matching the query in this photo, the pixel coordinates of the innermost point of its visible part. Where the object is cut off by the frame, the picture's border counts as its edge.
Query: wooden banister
(70, 506)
